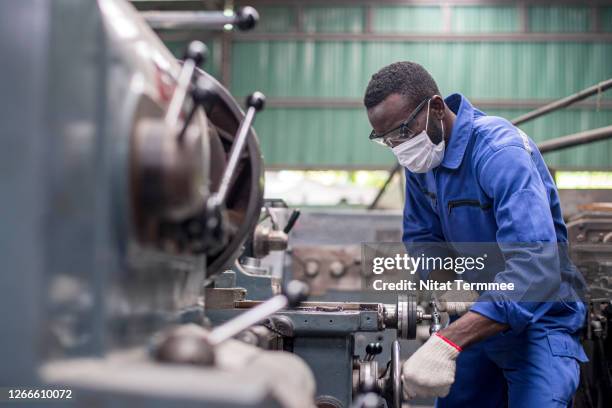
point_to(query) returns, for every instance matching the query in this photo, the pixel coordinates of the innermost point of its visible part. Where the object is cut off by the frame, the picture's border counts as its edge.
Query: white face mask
(419, 154)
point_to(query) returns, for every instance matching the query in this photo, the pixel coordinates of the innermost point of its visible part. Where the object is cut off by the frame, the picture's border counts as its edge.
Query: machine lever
(292, 220)
(255, 102)
(245, 19)
(294, 293)
(194, 57)
(203, 95)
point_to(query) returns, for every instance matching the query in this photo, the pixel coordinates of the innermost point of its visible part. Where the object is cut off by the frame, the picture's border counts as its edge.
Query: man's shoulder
(493, 133)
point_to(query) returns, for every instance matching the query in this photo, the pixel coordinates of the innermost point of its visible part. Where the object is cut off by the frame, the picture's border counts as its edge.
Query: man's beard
(435, 132)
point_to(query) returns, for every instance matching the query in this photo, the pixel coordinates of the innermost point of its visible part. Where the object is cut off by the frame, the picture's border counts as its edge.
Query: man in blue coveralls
(502, 352)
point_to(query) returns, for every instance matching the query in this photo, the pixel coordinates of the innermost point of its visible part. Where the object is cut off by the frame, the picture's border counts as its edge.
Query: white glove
(430, 371)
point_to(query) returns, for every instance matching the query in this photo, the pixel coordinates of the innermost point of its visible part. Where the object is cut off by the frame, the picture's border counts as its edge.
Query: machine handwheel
(396, 374)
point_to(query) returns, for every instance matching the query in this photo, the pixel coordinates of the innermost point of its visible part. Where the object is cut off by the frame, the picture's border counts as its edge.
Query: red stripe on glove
(448, 341)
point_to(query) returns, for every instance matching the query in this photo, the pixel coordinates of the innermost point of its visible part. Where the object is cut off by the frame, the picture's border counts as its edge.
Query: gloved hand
(430, 371)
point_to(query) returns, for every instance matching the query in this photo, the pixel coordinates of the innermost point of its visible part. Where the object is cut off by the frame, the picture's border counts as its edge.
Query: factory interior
(306, 203)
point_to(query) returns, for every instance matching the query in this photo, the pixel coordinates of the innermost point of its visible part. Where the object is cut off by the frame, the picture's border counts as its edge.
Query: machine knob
(246, 18)
(197, 52)
(185, 345)
(311, 268)
(203, 93)
(372, 350)
(296, 292)
(337, 269)
(256, 100)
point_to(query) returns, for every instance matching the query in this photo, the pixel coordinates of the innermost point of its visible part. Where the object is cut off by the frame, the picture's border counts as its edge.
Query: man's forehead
(394, 103)
(393, 108)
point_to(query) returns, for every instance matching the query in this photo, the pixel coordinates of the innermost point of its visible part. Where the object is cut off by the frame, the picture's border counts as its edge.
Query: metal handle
(194, 56)
(247, 319)
(255, 103)
(292, 220)
(245, 19)
(204, 96)
(294, 293)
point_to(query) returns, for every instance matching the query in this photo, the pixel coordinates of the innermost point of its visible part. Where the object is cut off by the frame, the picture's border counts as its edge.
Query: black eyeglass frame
(404, 125)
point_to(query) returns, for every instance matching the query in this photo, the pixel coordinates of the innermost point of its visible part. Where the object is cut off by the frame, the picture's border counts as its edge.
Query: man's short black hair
(405, 78)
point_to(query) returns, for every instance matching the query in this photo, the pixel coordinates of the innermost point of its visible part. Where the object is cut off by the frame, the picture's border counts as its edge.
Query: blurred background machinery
(130, 180)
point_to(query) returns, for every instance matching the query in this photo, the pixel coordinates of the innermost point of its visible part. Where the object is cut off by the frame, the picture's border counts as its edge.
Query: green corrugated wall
(480, 70)
(399, 19)
(484, 70)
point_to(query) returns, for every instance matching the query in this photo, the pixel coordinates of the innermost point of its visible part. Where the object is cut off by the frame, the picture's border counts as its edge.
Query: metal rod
(247, 319)
(562, 103)
(185, 20)
(244, 19)
(404, 2)
(382, 190)
(342, 103)
(235, 153)
(576, 139)
(417, 37)
(178, 98)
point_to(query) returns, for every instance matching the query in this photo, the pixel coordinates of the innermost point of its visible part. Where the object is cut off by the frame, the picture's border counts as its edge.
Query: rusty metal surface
(326, 246)
(600, 207)
(573, 200)
(326, 266)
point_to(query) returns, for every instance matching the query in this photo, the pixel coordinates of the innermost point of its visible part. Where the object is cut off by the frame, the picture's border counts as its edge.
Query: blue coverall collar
(462, 129)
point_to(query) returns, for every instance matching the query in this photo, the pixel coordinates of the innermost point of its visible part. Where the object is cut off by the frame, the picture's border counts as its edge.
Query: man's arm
(472, 328)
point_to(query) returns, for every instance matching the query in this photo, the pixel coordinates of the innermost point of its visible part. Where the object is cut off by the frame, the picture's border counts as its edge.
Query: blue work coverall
(493, 186)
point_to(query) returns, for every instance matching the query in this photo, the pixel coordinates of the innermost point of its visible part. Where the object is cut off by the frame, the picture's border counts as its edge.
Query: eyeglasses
(400, 133)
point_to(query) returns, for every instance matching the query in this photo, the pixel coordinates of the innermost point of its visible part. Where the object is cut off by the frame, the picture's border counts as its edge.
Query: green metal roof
(290, 67)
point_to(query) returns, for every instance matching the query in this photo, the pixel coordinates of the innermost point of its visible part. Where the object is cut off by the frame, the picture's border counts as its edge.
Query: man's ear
(437, 107)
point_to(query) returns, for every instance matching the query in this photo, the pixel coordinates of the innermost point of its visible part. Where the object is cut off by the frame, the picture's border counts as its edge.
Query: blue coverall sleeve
(526, 236)
(422, 227)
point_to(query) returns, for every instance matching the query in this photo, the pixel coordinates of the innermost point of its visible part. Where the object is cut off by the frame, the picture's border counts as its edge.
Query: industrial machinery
(341, 341)
(131, 179)
(143, 180)
(155, 273)
(590, 234)
(323, 333)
